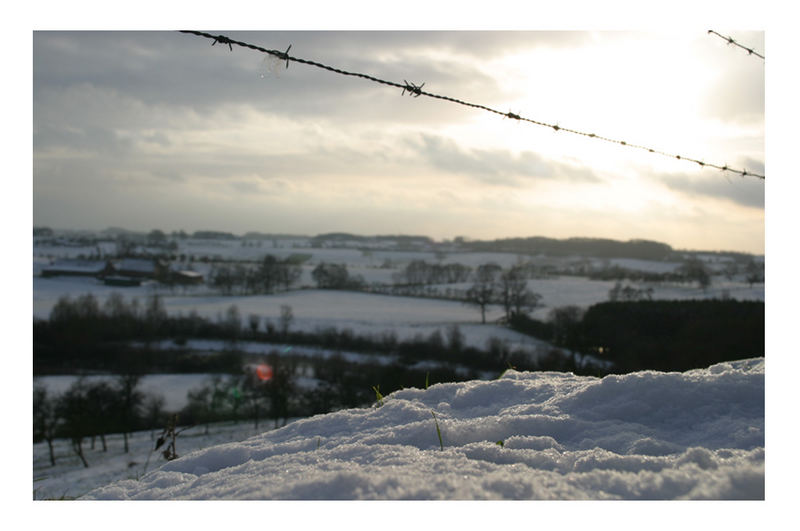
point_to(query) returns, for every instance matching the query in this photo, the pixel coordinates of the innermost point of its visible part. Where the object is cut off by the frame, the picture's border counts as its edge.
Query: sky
(161, 130)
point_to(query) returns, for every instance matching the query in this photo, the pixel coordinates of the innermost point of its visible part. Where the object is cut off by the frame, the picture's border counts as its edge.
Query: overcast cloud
(739, 190)
(163, 130)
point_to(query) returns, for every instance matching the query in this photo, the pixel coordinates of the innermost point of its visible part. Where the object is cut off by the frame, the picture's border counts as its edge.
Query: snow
(324, 308)
(81, 266)
(68, 479)
(645, 435)
(641, 436)
(649, 266)
(135, 264)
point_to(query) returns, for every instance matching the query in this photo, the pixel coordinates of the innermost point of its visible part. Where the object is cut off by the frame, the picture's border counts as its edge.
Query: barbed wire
(750, 51)
(416, 91)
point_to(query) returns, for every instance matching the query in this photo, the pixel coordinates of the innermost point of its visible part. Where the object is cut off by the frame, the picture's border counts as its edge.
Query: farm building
(139, 268)
(78, 268)
(186, 277)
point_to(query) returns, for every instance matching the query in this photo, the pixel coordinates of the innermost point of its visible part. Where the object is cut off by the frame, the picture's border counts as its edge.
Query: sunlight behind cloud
(218, 137)
(642, 90)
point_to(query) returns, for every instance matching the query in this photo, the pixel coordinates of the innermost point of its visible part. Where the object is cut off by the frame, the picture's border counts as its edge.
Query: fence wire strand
(750, 51)
(416, 91)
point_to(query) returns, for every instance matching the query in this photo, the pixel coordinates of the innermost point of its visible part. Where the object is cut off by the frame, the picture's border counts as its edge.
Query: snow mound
(526, 435)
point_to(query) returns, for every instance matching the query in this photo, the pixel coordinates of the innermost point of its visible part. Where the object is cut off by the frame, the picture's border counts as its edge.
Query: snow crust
(645, 435)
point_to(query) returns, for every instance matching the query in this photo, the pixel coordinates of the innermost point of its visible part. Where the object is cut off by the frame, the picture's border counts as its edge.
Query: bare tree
(330, 276)
(207, 403)
(455, 338)
(254, 320)
(629, 293)
(223, 277)
(101, 400)
(232, 322)
(287, 316)
(199, 406)
(46, 421)
(695, 270)
(483, 291)
(281, 387)
(273, 274)
(754, 273)
(566, 322)
(154, 411)
(512, 287)
(233, 396)
(73, 409)
(252, 395)
(130, 399)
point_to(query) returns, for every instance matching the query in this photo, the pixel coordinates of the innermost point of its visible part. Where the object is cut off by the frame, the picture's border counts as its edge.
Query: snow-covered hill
(645, 435)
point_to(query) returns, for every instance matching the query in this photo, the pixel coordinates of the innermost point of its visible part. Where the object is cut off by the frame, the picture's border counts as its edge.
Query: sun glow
(645, 94)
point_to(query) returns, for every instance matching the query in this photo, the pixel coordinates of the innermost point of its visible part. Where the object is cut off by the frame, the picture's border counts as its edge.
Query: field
(524, 436)
(362, 312)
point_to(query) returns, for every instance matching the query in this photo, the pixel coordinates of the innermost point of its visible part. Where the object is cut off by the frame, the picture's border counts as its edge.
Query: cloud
(753, 165)
(496, 166)
(145, 123)
(248, 187)
(174, 69)
(737, 93)
(478, 45)
(744, 191)
(184, 70)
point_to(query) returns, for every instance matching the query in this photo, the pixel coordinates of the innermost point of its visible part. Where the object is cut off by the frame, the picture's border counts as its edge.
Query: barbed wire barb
(730, 40)
(416, 91)
(285, 55)
(223, 40)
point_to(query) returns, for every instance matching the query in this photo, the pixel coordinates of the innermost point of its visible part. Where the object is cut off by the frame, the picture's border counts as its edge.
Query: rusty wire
(416, 91)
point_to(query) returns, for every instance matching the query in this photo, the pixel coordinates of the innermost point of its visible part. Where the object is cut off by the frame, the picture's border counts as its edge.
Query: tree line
(266, 388)
(595, 247)
(421, 272)
(271, 274)
(507, 288)
(666, 335)
(93, 410)
(122, 336)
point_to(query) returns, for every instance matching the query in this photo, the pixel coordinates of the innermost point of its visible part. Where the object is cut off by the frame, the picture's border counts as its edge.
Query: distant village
(124, 272)
(119, 257)
(124, 258)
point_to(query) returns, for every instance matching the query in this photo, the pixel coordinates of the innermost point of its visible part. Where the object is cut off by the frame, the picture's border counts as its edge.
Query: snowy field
(313, 310)
(551, 436)
(255, 250)
(322, 308)
(69, 479)
(697, 435)
(362, 312)
(370, 314)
